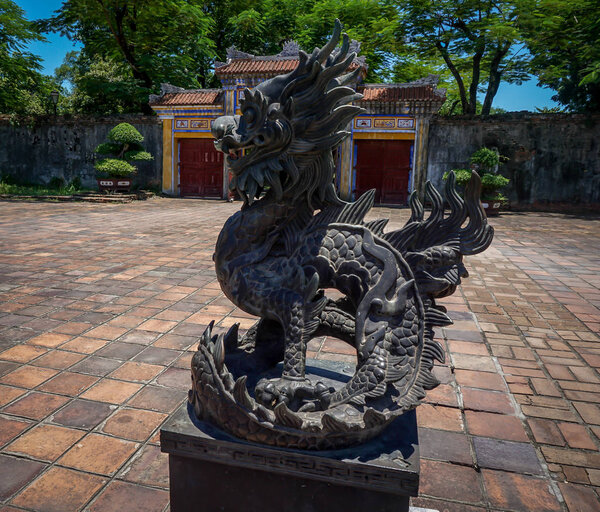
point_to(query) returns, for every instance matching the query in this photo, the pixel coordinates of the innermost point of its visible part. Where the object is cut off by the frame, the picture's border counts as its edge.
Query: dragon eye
(250, 115)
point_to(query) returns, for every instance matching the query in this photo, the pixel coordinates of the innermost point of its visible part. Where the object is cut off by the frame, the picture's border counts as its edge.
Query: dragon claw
(296, 394)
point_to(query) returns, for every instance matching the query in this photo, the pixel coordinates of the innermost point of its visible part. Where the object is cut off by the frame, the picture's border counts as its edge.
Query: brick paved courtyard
(101, 305)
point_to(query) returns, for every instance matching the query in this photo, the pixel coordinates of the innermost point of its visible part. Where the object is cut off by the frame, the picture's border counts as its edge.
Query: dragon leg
(300, 319)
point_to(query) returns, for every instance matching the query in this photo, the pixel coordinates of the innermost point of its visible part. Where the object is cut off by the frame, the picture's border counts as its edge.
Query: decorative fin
(219, 352)
(286, 417)
(241, 395)
(231, 337)
(206, 335)
(377, 226)
(374, 418)
(435, 317)
(333, 424)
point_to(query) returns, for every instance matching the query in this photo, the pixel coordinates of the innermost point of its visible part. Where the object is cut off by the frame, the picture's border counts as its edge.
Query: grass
(39, 190)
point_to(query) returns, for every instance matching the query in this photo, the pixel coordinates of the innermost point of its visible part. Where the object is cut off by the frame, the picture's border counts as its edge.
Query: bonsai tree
(486, 162)
(123, 146)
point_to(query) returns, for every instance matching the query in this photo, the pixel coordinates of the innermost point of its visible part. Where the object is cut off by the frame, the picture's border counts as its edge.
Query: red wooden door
(385, 166)
(200, 168)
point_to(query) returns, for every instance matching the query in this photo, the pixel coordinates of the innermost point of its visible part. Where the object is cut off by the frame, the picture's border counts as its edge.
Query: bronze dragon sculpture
(292, 239)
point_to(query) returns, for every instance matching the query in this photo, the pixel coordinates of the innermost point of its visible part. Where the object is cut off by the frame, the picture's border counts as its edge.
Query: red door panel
(200, 168)
(385, 166)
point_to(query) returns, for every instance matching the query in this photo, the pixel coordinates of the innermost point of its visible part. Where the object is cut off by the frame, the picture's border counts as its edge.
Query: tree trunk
(495, 77)
(459, 81)
(475, 78)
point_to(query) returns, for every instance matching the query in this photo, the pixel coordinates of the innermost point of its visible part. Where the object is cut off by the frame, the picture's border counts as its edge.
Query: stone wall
(552, 157)
(37, 151)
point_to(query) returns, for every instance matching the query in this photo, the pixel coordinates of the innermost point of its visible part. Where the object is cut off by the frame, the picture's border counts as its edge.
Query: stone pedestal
(212, 471)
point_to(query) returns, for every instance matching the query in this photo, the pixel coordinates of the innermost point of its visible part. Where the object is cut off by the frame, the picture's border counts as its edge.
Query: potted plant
(123, 146)
(486, 162)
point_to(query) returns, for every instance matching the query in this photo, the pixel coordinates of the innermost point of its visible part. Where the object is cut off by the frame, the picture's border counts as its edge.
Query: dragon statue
(294, 238)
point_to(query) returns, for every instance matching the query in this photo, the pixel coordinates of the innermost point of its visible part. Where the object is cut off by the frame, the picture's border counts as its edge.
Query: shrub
(115, 168)
(486, 161)
(124, 133)
(123, 146)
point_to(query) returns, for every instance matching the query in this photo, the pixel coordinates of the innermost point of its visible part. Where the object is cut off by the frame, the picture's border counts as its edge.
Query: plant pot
(114, 184)
(492, 208)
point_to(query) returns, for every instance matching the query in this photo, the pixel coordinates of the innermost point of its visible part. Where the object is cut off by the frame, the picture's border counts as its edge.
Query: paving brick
(45, 442)
(495, 425)
(137, 372)
(36, 405)
(579, 498)
(10, 428)
(577, 436)
(440, 479)
(439, 417)
(58, 490)
(571, 457)
(99, 454)
(483, 380)
(58, 359)
(483, 400)
(133, 424)
(546, 431)
(149, 467)
(511, 491)
(22, 353)
(120, 496)
(15, 473)
(445, 446)
(9, 393)
(68, 383)
(506, 456)
(83, 414)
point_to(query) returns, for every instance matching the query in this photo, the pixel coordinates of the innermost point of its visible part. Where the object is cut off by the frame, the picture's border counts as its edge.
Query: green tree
(99, 86)
(563, 37)
(23, 89)
(478, 40)
(156, 40)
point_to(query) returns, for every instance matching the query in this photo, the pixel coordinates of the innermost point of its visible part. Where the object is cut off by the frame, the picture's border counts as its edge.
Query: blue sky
(510, 97)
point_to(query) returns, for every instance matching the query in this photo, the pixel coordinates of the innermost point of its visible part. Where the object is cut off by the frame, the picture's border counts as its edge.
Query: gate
(200, 168)
(385, 166)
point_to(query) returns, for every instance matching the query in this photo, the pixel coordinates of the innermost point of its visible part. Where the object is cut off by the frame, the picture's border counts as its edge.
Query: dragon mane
(292, 123)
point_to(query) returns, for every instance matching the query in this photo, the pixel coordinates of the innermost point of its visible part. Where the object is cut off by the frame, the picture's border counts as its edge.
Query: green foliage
(562, 36)
(115, 168)
(23, 89)
(138, 155)
(125, 146)
(150, 42)
(479, 42)
(462, 176)
(491, 183)
(486, 161)
(7, 186)
(124, 133)
(108, 148)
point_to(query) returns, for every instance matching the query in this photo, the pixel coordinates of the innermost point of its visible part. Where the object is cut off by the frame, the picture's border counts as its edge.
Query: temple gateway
(387, 148)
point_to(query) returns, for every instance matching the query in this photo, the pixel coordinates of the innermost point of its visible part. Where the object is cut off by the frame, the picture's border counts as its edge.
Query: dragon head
(289, 125)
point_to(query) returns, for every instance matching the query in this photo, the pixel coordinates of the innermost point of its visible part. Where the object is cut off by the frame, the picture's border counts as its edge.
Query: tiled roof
(387, 93)
(191, 97)
(274, 65)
